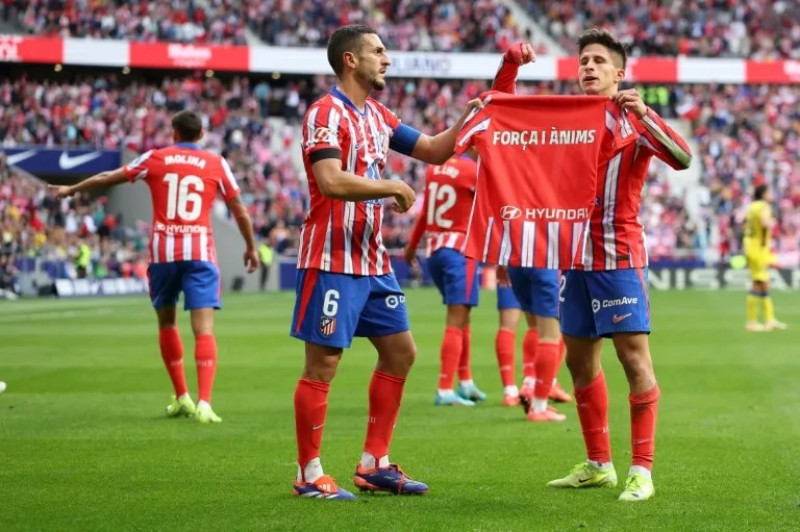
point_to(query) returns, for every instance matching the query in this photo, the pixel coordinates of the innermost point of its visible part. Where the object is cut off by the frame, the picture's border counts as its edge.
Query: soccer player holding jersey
(606, 296)
(183, 181)
(446, 207)
(345, 284)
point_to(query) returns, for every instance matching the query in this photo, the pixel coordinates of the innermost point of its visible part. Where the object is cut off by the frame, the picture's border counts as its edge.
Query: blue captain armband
(404, 139)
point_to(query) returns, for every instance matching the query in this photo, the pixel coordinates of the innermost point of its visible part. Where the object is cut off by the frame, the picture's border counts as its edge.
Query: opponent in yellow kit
(757, 243)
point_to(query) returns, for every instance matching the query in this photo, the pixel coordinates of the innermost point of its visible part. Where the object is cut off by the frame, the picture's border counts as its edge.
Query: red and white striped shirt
(616, 238)
(184, 181)
(345, 236)
(446, 205)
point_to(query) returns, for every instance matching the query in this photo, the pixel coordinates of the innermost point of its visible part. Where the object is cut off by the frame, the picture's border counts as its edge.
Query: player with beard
(345, 284)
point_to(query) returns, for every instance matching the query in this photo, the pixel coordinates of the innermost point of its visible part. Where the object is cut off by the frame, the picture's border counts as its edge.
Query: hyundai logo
(509, 212)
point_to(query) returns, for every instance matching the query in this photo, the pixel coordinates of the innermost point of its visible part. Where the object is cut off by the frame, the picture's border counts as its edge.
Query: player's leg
(505, 343)
(325, 316)
(522, 284)
(200, 282)
(758, 273)
(557, 392)
(591, 395)
(467, 389)
(165, 286)
(770, 322)
(624, 314)
(385, 322)
(447, 268)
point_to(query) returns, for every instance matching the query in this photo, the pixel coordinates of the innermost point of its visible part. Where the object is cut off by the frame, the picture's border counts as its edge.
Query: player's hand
(404, 195)
(630, 100)
(520, 53)
(60, 191)
(501, 273)
(251, 260)
(411, 255)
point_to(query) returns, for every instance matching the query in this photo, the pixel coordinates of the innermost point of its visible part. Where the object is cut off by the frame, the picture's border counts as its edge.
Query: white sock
(641, 470)
(368, 461)
(311, 472)
(555, 381)
(468, 382)
(529, 381)
(185, 395)
(602, 466)
(203, 403)
(539, 405)
(511, 391)
(446, 392)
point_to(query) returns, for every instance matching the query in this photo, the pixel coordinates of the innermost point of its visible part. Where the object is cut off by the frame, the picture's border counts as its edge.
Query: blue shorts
(455, 276)
(197, 279)
(332, 308)
(506, 298)
(601, 304)
(536, 290)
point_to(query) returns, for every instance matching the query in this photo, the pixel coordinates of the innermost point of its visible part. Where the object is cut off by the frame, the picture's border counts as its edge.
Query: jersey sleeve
(228, 186)
(404, 137)
(323, 133)
(506, 78)
(139, 168)
(663, 141)
(473, 127)
(421, 222)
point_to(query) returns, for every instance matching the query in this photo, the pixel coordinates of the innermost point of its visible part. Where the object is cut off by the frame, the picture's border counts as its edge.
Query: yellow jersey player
(757, 239)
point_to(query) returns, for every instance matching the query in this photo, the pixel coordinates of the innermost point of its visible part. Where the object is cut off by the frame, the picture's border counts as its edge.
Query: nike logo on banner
(617, 319)
(68, 163)
(11, 160)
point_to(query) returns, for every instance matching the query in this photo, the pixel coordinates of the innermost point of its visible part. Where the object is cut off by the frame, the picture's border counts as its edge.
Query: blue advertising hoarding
(41, 161)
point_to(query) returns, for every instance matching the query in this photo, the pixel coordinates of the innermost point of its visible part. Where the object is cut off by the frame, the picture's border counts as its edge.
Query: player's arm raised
(439, 148)
(334, 182)
(239, 213)
(517, 54)
(96, 182)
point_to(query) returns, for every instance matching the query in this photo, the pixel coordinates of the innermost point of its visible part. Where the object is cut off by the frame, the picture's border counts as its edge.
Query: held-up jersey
(616, 238)
(446, 205)
(183, 182)
(539, 157)
(345, 236)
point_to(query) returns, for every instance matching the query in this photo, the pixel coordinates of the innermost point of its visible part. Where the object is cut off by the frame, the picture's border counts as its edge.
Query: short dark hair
(759, 192)
(345, 39)
(188, 126)
(604, 38)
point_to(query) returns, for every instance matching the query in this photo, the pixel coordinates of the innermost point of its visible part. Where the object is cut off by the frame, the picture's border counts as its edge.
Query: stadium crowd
(758, 29)
(740, 133)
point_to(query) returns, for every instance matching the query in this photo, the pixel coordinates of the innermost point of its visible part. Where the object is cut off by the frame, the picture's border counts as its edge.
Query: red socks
(205, 357)
(530, 344)
(310, 407)
(464, 365)
(385, 394)
(545, 369)
(505, 347)
(592, 404)
(169, 340)
(644, 410)
(450, 355)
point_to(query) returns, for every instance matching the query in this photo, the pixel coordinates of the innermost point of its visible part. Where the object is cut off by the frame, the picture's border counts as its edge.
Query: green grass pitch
(84, 444)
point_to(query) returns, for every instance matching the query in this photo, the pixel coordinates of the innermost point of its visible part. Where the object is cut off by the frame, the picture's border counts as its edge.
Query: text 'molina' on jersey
(184, 182)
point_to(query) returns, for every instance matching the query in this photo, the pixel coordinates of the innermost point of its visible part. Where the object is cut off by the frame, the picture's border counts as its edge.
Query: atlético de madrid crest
(327, 325)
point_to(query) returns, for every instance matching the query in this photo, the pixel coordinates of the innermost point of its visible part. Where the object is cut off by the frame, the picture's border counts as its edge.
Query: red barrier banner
(22, 49)
(174, 55)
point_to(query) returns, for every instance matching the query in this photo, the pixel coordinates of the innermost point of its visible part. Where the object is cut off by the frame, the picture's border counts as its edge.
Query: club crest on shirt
(327, 325)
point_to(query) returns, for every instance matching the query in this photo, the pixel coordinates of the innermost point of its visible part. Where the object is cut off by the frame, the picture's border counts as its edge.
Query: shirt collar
(340, 95)
(187, 145)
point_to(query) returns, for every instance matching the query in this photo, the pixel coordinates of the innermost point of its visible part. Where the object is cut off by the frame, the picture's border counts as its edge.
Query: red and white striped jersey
(345, 236)
(616, 238)
(446, 205)
(537, 169)
(184, 181)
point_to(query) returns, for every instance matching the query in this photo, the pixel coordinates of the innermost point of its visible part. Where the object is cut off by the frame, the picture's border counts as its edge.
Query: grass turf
(84, 444)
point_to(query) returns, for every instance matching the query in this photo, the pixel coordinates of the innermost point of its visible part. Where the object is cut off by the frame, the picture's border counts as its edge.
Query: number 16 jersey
(184, 181)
